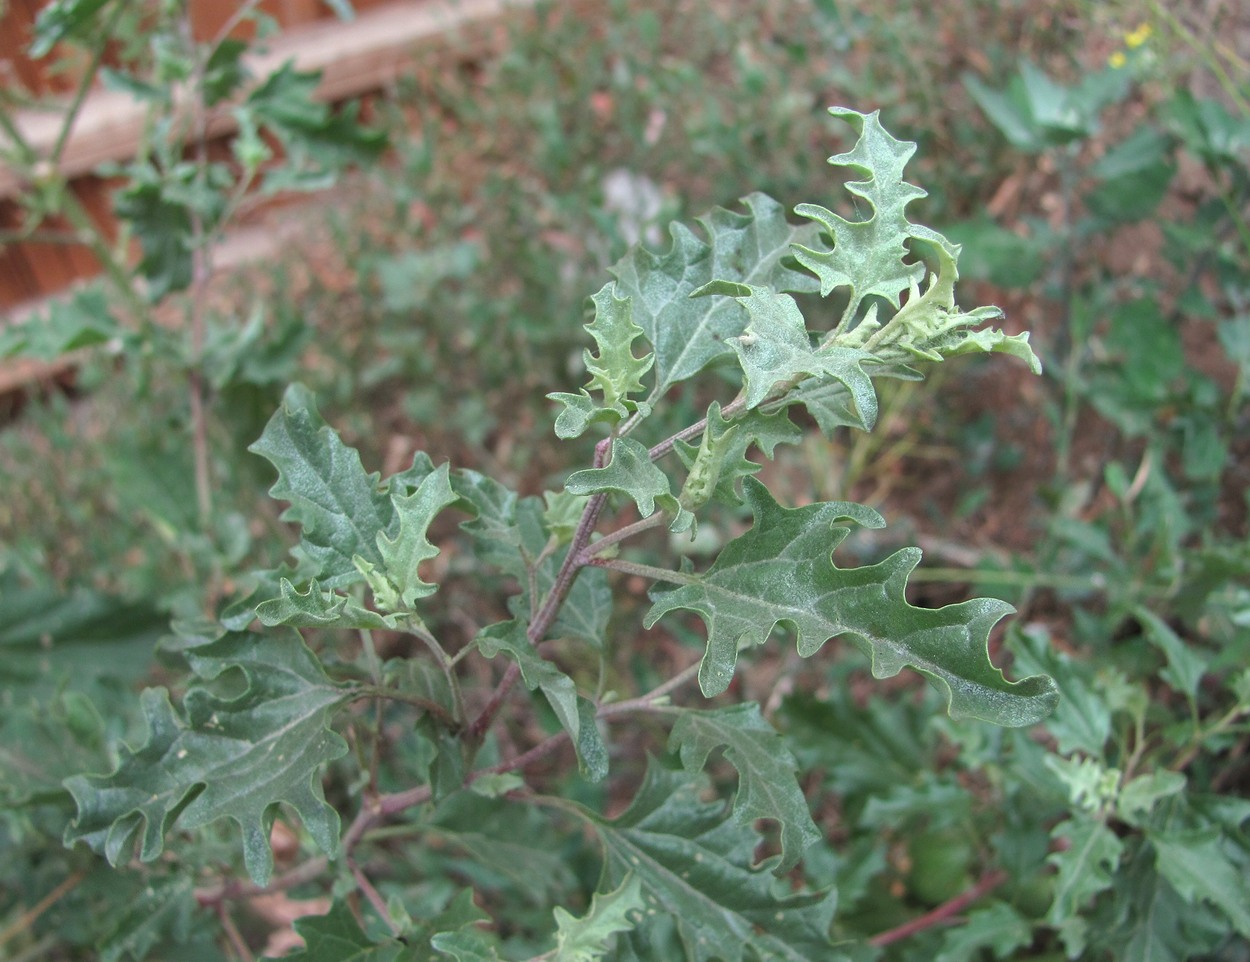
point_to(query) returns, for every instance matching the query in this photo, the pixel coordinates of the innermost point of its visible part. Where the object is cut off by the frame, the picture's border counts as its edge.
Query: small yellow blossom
(1137, 37)
(1116, 60)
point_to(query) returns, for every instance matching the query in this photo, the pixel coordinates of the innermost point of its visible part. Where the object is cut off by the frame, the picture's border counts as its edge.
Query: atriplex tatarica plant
(391, 709)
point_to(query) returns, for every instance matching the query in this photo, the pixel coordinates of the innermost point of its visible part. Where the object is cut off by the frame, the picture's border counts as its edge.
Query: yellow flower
(1137, 37)
(1116, 60)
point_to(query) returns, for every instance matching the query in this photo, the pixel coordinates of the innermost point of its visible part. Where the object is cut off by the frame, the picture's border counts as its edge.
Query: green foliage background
(436, 305)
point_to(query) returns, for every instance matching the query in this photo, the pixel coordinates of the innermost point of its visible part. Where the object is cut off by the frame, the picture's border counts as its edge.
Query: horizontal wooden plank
(355, 57)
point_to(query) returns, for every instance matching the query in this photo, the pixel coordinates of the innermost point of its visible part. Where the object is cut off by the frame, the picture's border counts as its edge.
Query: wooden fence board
(354, 57)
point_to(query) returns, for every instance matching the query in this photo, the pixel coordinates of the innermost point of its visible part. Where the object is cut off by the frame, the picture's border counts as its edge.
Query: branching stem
(621, 534)
(528, 757)
(486, 718)
(28, 918)
(647, 702)
(728, 411)
(233, 935)
(645, 571)
(445, 717)
(372, 894)
(944, 912)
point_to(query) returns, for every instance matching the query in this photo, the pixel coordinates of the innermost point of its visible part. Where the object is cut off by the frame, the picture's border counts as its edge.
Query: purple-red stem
(944, 912)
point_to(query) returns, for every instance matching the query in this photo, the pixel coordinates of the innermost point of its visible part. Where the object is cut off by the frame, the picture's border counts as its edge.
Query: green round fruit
(941, 862)
(1031, 896)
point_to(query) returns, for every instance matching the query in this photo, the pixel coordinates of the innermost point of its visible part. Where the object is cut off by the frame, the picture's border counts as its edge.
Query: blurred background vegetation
(1092, 158)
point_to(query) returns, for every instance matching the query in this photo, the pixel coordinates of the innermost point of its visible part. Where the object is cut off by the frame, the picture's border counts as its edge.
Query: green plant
(942, 839)
(176, 198)
(264, 715)
(1142, 765)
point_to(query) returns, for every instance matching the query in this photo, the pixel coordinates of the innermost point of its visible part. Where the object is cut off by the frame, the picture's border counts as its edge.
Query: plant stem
(620, 534)
(233, 935)
(542, 749)
(84, 85)
(114, 266)
(943, 913)
(40, 950)
(647, 702)
(400, 802)
(728, 411)
(371, 656)
(26, 155)
(426, 705)
(372, 894)
(486, 717)
(645, 571)
(31, 915)
(446, 664)
(1207, 54)
(35, 236)
(236, 889)
(548, 745)
(1183, 760)
(201, 269)
(378, 808)
(223, 33)
(570, 566)
(1027, 579)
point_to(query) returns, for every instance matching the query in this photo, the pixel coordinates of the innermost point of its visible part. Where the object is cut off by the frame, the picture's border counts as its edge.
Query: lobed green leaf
(780, 571)
(720, 459)
(615, 372)
(869, 256)
(629, 471)
(695, 864)
(587, 939)
(227, 757)
(1087, 865)
(513, 534)
(338, 937)
(776, 349)
(339, 507)
(767, 771)
(1198, 866)
(687, 334)
(996, 927)
(397, 586)
(316, 608)
(62, 19)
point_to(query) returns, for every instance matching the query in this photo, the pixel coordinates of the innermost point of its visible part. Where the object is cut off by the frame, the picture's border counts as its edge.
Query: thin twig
(445, 718)
(548, 745)
(40, 950)
(201, 270)
(621, 534)
(239, 889)
(84, 86)
(486, 717)
(572, 560)
(645, 571)
(647, 702)
(377, 809)
(447, 666)
(372, 894)
(31, 915)
(943, 913)
(233, 934)
(401, 801)
(728, 411)
(542, 749)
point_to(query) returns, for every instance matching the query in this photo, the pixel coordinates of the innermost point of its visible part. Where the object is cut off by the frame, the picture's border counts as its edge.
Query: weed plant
(620, 812)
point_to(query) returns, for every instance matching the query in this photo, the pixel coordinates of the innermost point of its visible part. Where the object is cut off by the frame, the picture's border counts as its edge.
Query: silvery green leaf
(780, 571)
(688, 334)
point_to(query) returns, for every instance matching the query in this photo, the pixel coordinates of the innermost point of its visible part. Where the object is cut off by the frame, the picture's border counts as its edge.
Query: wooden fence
(355, 58)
